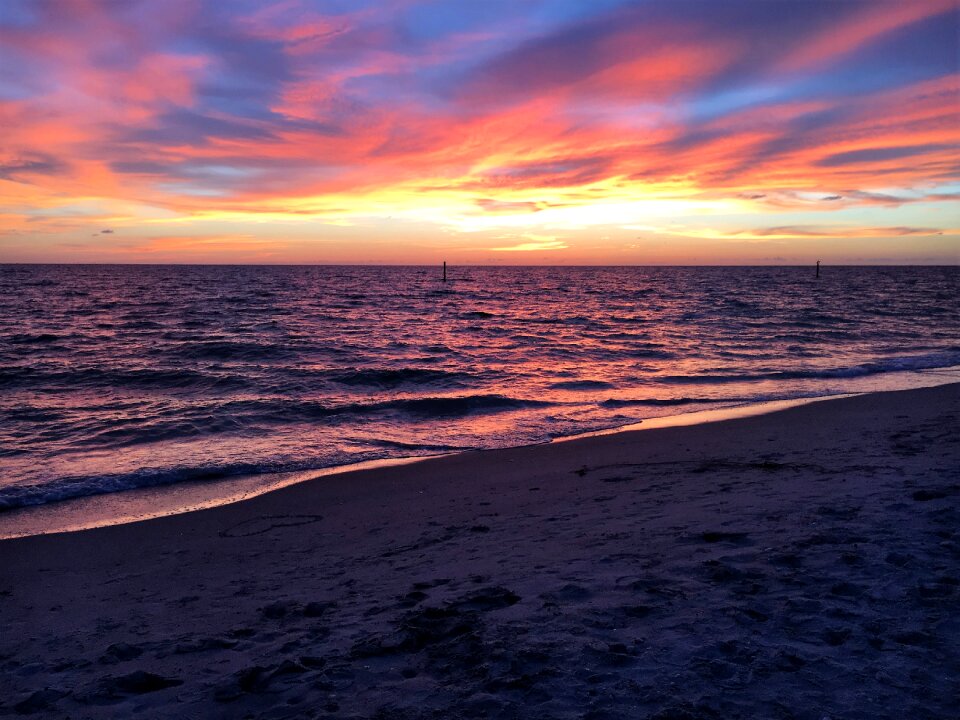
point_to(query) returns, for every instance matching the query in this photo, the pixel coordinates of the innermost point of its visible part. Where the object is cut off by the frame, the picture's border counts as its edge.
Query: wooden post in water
(445, 271)
(818, 268)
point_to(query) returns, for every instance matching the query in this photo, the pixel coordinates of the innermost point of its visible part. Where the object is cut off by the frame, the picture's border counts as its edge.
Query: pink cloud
(859, 29)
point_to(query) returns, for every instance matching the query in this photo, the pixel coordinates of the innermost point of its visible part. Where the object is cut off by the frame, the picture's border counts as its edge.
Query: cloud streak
(200, 114)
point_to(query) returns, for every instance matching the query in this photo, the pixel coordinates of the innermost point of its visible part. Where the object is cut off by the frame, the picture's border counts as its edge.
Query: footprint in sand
(266, 523)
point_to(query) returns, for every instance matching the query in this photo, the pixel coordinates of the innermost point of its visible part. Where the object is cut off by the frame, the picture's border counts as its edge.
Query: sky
(480, 131)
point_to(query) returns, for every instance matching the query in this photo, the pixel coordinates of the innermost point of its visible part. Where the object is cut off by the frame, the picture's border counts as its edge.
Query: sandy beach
(803, 564)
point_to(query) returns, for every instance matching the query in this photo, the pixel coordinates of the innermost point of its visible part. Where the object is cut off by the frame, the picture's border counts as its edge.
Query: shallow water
(121, 377)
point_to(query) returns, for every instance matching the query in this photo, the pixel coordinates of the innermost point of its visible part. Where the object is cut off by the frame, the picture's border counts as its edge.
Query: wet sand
(803, 564)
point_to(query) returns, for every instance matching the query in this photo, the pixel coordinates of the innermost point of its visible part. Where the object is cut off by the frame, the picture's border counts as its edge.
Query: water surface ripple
(115, 377)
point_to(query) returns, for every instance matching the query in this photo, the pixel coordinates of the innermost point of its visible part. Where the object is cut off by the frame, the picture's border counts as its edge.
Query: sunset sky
(486, 131)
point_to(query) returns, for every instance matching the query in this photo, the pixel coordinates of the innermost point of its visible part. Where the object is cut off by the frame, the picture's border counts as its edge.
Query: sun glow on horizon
(307, 132)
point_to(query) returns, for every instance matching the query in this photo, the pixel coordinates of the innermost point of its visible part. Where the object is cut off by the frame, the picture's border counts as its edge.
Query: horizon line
(441, 263)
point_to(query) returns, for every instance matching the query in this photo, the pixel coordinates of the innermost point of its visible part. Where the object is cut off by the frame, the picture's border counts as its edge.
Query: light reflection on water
(122, 377)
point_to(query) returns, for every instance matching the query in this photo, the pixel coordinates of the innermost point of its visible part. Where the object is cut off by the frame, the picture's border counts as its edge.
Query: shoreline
(147, 503)
(797, 564)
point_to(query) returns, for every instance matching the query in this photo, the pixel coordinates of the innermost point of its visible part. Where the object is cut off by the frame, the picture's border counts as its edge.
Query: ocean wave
(33, 338)
(418, 447)
(227, 350)
(651, 353)
(67, 488)
(581, 385)
(428, 407)
(393, 377)
(476, 315)
(139, 378)
(133, 323)
(231, 363)
(27, 413)
(240, 418)
(901, 363)
(665, 402)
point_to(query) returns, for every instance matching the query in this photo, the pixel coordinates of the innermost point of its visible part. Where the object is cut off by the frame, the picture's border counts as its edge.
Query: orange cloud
(288, 116)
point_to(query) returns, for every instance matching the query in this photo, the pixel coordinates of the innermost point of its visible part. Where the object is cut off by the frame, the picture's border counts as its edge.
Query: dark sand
(804, 564)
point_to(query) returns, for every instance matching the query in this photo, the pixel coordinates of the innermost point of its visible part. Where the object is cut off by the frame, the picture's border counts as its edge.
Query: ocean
(121, 377)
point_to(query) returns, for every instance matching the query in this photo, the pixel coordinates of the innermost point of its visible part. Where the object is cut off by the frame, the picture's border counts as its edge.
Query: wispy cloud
(201, 114)
(787, 232)
(533, 243)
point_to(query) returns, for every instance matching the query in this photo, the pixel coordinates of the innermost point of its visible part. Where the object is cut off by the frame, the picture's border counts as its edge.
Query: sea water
(121, 377)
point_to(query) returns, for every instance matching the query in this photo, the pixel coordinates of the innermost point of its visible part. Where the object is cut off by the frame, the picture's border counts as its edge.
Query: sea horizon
(451, 266)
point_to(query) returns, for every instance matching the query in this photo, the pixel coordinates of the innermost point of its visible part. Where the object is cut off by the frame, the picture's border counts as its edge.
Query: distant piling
(445, 271)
